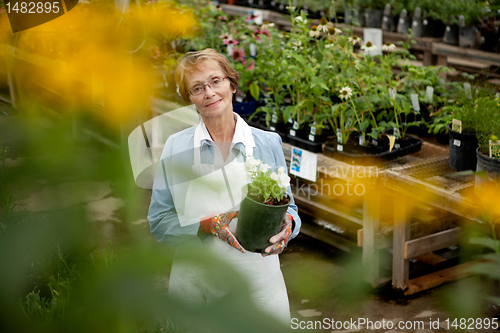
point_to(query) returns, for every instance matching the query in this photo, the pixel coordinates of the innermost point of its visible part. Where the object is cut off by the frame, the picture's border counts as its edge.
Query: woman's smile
(213, 103)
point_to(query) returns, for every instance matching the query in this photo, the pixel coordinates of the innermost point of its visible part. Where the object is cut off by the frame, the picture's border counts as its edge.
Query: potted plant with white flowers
(263, 209)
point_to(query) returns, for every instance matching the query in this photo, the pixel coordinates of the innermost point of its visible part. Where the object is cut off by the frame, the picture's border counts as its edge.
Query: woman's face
(212, 102)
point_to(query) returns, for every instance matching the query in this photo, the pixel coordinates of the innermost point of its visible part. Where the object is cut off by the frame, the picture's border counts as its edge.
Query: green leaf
(255, 91)
(487, 242)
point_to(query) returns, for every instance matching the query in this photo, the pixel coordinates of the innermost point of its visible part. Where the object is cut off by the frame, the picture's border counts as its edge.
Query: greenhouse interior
(369, 128)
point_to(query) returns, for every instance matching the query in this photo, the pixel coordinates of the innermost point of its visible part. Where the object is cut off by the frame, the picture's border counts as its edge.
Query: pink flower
(233, 42)
(258, 32)
(222, 18)
(239, 55)
(251, 18)
(251, 66)
(226, 36)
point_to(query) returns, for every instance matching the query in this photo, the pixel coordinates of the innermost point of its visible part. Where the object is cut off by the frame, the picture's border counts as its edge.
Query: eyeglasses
(213, 84)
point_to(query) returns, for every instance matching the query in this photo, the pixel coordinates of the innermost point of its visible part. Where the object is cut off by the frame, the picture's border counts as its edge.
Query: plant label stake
(274, 118)
(253, 50)
(414, 101)
(494, 149)
(392, 94)
(456, 125)
(467, 89)
(339, 140)
(430, 93)
(396, 132)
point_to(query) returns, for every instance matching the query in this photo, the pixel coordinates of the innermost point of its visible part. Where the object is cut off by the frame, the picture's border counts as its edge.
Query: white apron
(210, 195)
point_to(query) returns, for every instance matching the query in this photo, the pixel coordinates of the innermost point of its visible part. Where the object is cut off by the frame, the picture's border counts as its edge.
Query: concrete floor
(325, 285)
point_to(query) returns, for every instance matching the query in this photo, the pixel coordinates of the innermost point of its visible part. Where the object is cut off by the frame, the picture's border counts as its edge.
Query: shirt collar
(242, 134)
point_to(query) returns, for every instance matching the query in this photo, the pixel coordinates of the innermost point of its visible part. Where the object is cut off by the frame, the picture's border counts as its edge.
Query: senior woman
(184, 209)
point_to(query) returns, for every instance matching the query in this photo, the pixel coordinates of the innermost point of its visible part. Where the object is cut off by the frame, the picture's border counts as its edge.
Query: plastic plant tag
(311, 137)
(239, 99)
(396, 133)
(230, 49)
(374, 35)
(290, 120)
(253, 50)
(392, 94)
(456, 125)
(429, 91)
(348, 123)
(304, 164)
(494, 149)
(414, 101)
(313, 130)
(274, 118)
(361, 141)
(397, 146)
(339, 135)
(340, 148)
(467, 89)
(457, 143)
(392, 140)
(295, 125)
(272, 128)
(292, 132)
(259, 19)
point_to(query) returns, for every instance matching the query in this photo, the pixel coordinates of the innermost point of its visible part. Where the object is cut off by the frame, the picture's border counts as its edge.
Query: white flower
(281, 170)
(266, 26)
(300, 19)
(296, 45)
(346, 92)
(388, 47)
(314, 32)
(324, 25)
(329, 45)
(290, 8)
(283, 180)
(368, 46)
(264, 167)
(251, 163)
(354, 39)
(274, 176)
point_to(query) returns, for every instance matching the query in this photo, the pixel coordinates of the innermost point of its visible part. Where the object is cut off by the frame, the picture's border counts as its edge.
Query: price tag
(311, 137)
(313, 130)
(253, 50)
(430, 92)
(272, 128)
(275, 118)
(467, 89)
(414, 101)
(456, 125)
(292, 132)
(295, 125)
(361, 140)
(456, 142)
(374, 35)
(304, 164)
(340, 148)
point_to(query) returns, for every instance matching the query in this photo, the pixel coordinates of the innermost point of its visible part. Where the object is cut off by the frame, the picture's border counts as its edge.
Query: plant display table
(414, 204)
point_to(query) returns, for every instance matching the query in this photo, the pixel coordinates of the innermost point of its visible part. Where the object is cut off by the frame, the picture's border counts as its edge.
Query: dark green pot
(257, 223)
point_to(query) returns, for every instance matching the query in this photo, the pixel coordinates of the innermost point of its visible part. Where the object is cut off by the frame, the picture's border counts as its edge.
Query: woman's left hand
(280, 240)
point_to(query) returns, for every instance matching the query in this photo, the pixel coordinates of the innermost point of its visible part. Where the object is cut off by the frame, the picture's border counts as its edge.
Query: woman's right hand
(218, 225)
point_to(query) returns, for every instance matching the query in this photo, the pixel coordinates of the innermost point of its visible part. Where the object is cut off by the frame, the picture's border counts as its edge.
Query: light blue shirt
(178, 155)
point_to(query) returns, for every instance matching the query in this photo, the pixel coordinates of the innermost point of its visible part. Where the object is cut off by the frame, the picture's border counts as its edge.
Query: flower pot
(390, 23)
(462, 150)
(451, 34)
(488, 164)
(257, 223)
(416, 24)
(347, 15)
(467, 37)
(404, 22)
(357, 17)
(373, 18)
(245, 108)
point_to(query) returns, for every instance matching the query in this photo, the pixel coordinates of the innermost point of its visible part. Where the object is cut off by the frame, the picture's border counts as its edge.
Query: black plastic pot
(451, 34)
(245, 108)
(390, 23)
(257, 223)
(467, 37)
(416, 23)
(462, 150)
(373, 18)
(488, 164)
(404, 22)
